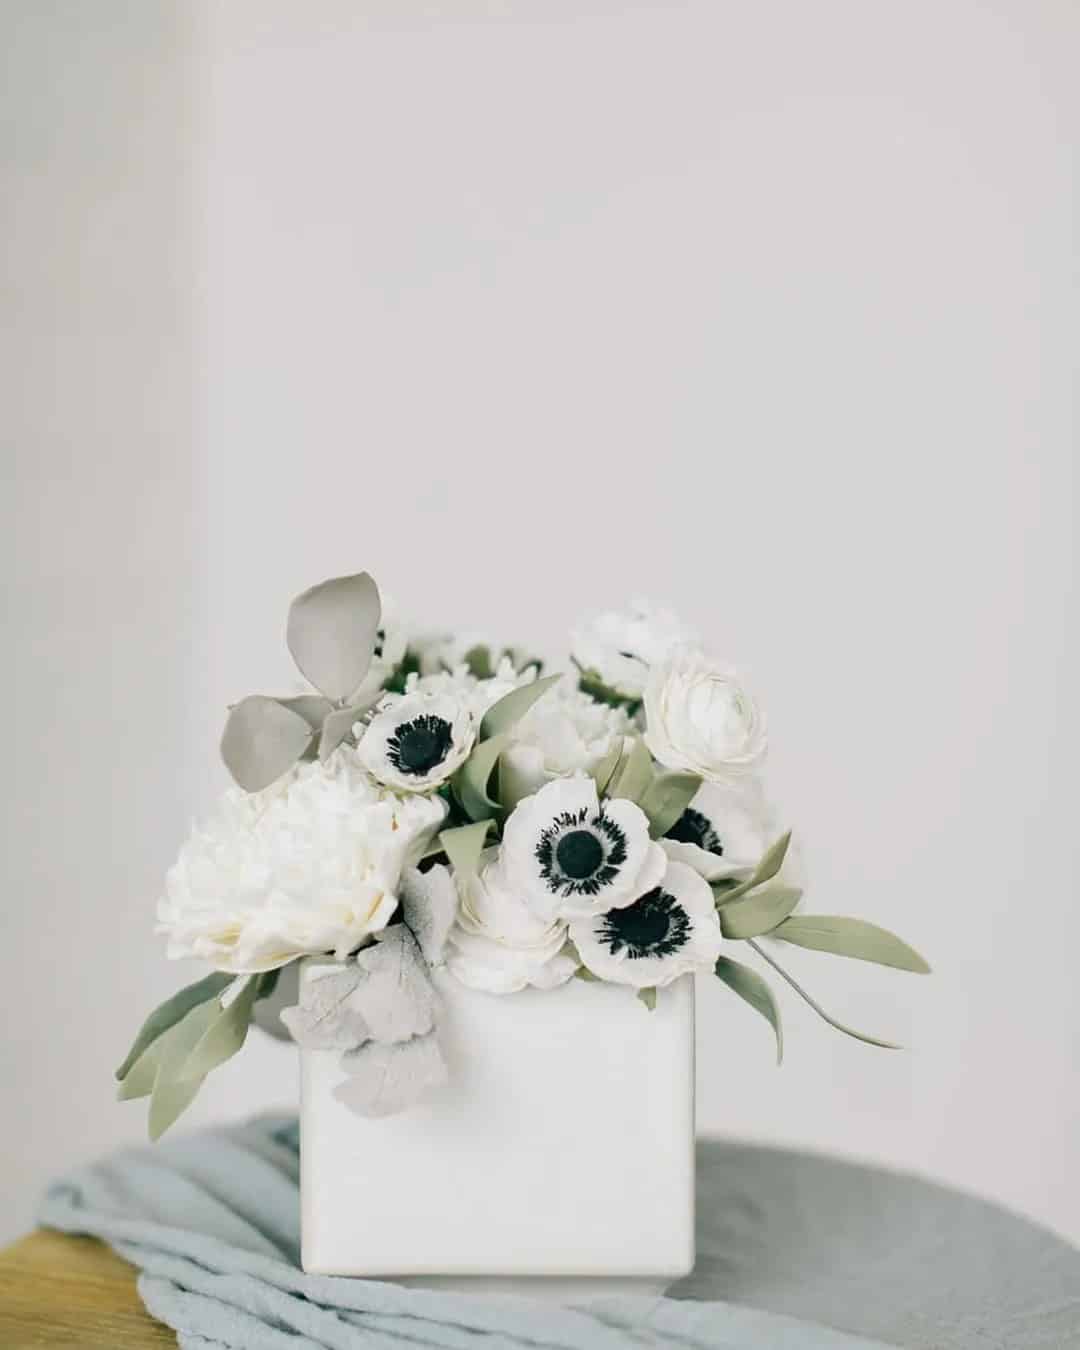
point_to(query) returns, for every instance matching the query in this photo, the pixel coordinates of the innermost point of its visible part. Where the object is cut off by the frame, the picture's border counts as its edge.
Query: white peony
(415, 742)
(564, 853)
(564, 732)
(699, 717)
(309, 865)
(497, 944)
(619, 649)
(671, 930)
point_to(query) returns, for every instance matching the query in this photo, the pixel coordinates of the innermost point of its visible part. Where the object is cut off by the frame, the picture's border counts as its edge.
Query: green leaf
(666, 798)
(331, 633)
(758, 913)
(856, 938)
(223, 1035)
(262, 740)
(473, 778)
(584, 973)
(752, 989)
(590, 683)
(170, 1012)
(478, 659)
(771, 862)
(464, 845)
(172, 1094)
(602, 772)
(648, 997)
(512, 707)
(634, 771)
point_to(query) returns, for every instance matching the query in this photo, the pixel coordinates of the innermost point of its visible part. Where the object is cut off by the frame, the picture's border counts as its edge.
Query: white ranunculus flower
(699, 717)
(567, 854)
(466, 689)
(564, 732)
(619, 649)
(307, 866)
(724, 831)
(414, 742)
(497, 944)
(669, 931)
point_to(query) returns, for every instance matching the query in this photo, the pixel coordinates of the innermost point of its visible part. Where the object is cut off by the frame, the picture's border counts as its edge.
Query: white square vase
(558, 1158)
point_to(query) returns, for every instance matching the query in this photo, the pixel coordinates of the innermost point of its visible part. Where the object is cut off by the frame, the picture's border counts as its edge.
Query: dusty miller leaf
(429, 904)
(396, 997)
(752, 989)
(331, 633)
(324, 1018)
(262, 740)
(850, 937)
(383, 1079)
(759, 913)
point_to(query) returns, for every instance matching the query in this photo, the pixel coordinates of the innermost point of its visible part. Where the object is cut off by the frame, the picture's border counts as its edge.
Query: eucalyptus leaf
(383, 1079)
(262, 740)
(752, 989)
(170, 1012)
(634, 772)
(648, 997)
(758, 913)
(602, 772)
(335, 728)
(313, 708)
(472, 779)
(772, 860)
(855, 938)
(512, 707)
(223, 1036)
(140, 1078)
(331, 633)
(172, 1092)
(429, 902)
(323, 1018)
(464, 844)
(396, 997)
(666, 798)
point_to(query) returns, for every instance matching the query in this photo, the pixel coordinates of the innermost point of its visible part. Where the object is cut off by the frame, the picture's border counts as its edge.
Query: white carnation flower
(619, 649)
(307, 866)
(566, 854)
(669, 931)
(564, 732)
(724, 831)
(415, 742)
(466, 689)
(699, 717)
(497, 944)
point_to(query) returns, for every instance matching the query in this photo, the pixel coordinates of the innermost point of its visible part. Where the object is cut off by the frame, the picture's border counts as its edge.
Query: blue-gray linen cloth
(794, 1253)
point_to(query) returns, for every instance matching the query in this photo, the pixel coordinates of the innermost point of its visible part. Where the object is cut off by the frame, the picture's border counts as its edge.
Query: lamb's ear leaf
(167, 1014)
(383, 1078)
(429, 904)
(472, 779)
(666, 798)
(464, 845)
(262, 740)
(759, 913)
(752, 989)
(648, 997)
(634, 772)
(331, 633)
(512, 707)
(855, 938)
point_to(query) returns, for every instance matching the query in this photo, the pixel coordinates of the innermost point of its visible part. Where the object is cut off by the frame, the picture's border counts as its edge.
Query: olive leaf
(464, 844)
(849, 937)
(323, 1018)
(633, 773)
(395, 997)
(429, 902)
(771, 862)
(331, 632)
(472, 779)
(383, 1079)
(666, 798)
(758, 913)
(648, 997)
(170, 1012)
(224, 1034)
(262, 740)
(601, 773)
(512, 707)
(752, 989)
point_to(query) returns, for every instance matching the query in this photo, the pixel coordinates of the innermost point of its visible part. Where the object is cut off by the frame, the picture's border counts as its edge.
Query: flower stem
(788, 979)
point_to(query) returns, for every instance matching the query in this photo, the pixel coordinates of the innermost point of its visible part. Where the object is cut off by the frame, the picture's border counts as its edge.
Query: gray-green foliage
(752, 989)
(851, 937)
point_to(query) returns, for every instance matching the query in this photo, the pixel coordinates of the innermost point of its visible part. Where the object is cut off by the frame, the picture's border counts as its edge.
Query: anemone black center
(655, 925)
(579, 853)
(694, 828)
(418, 746)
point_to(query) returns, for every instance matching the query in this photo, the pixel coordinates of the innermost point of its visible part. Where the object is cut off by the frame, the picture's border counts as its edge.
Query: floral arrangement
(438, 808)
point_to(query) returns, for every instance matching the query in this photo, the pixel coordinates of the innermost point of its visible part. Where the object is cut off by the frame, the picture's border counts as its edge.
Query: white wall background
(769, 312)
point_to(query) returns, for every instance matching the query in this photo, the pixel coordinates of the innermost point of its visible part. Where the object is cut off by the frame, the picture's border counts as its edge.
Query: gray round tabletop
(878, 1254)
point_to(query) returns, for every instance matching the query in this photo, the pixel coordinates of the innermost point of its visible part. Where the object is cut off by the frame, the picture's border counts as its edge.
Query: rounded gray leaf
(331, 633)
(262, 740)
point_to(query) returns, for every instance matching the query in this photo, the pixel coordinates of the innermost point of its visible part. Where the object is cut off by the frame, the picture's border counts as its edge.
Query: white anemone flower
(564, 732)
(669, 931)
(497, 945)
(567, 854)
(724, 830)
(414, 742)
(309, 865)
(619, 649)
